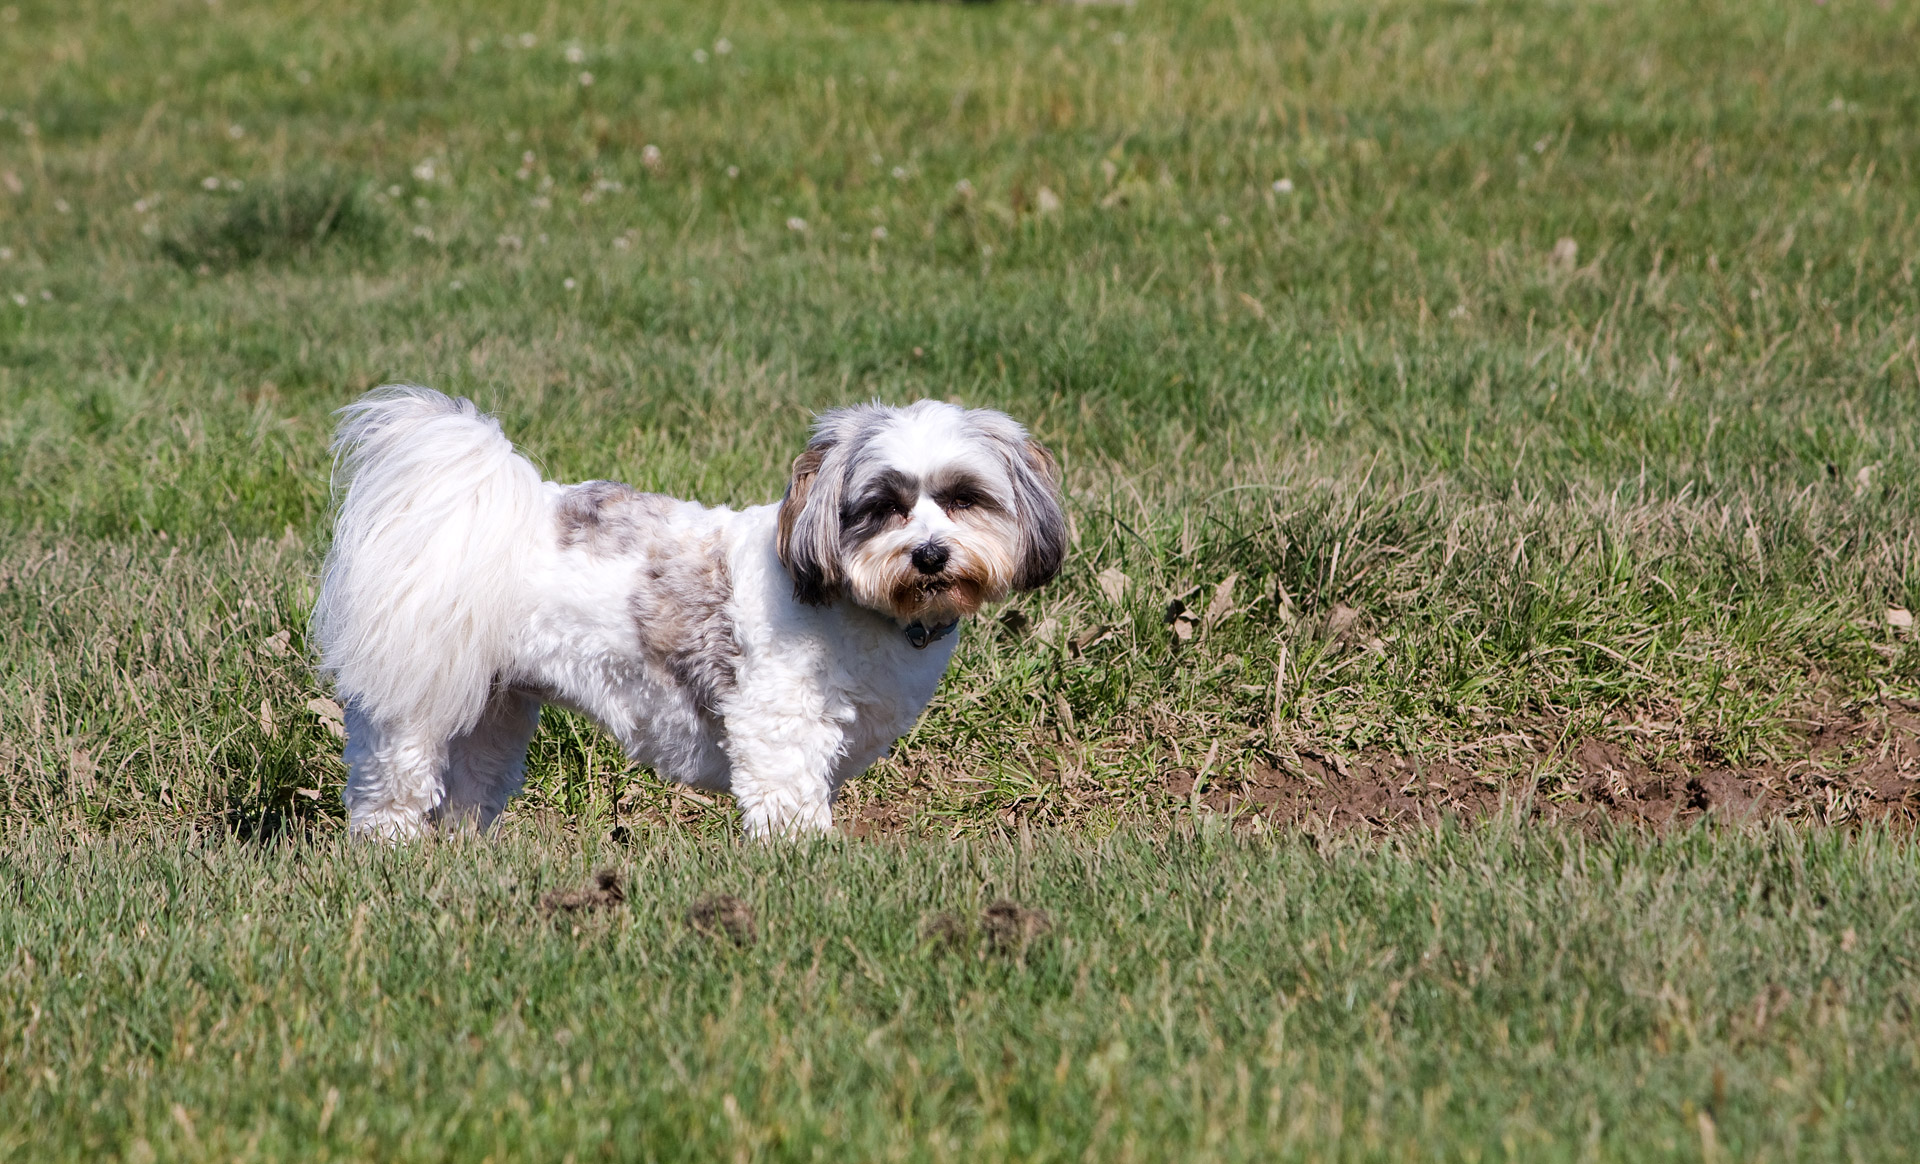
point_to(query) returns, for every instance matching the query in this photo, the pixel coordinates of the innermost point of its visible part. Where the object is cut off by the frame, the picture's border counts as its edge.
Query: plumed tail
(423, 592)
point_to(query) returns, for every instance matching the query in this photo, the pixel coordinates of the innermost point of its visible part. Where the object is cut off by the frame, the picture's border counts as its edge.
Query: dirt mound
(1853, 769)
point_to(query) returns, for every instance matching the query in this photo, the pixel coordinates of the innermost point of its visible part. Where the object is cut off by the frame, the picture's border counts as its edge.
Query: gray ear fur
(1043, 519)
(809, 539)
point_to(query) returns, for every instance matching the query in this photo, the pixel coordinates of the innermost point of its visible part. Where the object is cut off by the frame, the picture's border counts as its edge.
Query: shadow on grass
(281, 220)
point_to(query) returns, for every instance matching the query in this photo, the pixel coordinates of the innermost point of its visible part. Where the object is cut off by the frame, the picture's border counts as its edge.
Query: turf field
(1477, 719)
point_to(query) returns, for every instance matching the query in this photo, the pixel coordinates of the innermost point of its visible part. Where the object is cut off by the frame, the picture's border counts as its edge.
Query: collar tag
(921, 636)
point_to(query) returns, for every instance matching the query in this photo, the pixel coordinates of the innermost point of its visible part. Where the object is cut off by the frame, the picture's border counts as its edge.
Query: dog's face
(922, 513)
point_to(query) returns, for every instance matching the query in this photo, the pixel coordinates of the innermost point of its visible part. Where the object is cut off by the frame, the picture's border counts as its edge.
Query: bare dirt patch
(1854, 768)
(606, 892)
(1844, 765)
(723, 916)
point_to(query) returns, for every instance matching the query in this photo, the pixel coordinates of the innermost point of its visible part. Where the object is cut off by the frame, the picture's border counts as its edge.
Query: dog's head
(921, 513)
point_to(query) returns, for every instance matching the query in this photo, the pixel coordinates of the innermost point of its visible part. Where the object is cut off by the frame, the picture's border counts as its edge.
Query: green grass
(1571, 347)
(1507, 995)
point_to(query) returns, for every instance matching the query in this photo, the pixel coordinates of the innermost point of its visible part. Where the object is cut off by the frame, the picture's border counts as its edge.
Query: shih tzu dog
(774, 652)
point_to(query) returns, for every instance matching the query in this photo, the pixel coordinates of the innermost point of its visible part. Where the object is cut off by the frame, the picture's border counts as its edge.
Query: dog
(774, 652)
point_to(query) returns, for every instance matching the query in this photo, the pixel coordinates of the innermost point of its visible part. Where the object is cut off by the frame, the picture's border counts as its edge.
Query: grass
(1509, 994)
(1518, 397)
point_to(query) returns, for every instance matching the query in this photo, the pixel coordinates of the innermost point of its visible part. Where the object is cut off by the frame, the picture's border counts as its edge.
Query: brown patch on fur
(604, 893)
(679, 607)
(806, 468)
(723, 915)
(607, 517)
(917, 594)
(1011, 927)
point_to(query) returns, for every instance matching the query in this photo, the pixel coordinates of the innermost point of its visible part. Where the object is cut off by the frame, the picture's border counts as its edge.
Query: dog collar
(922, 636)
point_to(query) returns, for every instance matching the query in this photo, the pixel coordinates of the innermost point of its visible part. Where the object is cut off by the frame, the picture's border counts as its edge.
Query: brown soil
(722, 915)
(1846, 768)
(604, 893)
(1852, 770)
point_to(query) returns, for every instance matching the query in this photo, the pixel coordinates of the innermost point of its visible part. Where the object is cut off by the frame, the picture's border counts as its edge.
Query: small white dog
(775, 652)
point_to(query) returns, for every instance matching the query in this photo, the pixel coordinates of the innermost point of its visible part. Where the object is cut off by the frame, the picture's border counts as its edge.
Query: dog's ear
(808, 543)
(1043, 518)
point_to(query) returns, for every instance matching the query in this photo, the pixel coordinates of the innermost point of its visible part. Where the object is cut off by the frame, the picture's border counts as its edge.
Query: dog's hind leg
(394, 779)
(487, 765)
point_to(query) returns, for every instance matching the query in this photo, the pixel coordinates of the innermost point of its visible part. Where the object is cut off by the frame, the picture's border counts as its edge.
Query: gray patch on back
(679, 607)
(605, 517)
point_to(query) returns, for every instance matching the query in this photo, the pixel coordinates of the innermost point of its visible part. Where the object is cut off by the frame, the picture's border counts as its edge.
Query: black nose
(929, 557)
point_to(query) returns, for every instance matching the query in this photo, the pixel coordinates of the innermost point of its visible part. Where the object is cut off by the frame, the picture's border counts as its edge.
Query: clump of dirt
(1011, 927)
(722, 915)
(605, 893)
(1853, 769)
(946, 933)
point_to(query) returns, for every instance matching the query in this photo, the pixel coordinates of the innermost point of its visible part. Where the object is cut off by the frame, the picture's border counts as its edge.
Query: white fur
(457, 599)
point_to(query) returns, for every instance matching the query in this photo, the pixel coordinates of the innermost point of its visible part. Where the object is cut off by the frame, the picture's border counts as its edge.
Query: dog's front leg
(783, 771)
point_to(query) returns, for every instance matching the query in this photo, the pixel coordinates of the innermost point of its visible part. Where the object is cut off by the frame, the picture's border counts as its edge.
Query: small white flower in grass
(733, 171)
(19, 300)
(6, 254)
(304, 77)
(456, 285)
(1283, 186)
(876, 159)
(541, 202)
(393, 191)
(419, 203)
(526, 157)
(963, 188)
(424, 171)
(900, 173)
(699, 56)
(586, 80)
(236, 132)
(622, 243)
(522, 174)
(797, 224)
(140, 206)
(46, 297)
(528, 40)
(1459, 311)
(879, 234)
(650, 157)
(723, 46)
(60, 205)
(575, 54)
(568, 283)
(1222, 221)
(423, 231)
(588, 197)
(209, 183)
(1117, 38)
(1047, 202)
(607, 186)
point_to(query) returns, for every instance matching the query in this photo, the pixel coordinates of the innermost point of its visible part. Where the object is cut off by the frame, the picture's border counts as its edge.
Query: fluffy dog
(774, 652)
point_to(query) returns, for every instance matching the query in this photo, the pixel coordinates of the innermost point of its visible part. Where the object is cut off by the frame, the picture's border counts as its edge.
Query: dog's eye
(962, 501)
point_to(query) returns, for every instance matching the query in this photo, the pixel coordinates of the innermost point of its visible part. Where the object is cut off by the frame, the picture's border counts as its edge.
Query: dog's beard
(882, 577)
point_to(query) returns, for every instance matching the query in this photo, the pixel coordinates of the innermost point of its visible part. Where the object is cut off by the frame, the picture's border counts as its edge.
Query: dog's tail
(422, 591)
